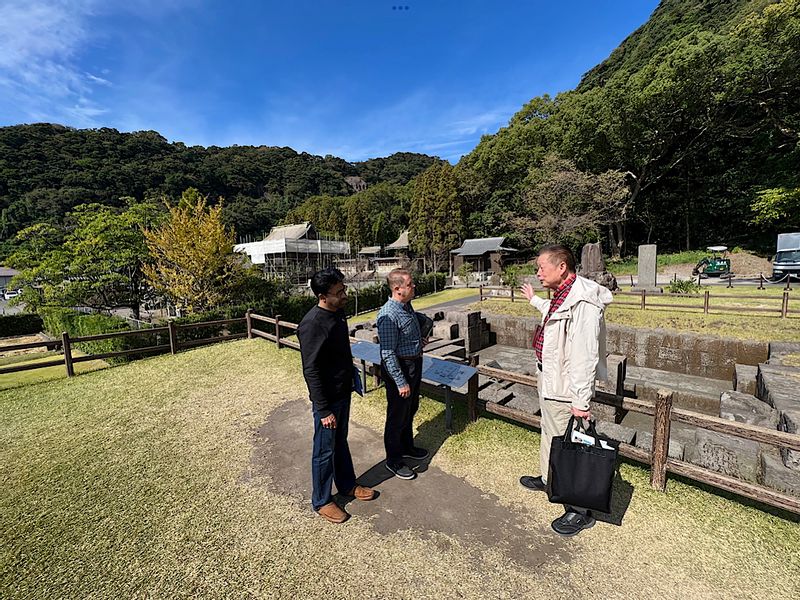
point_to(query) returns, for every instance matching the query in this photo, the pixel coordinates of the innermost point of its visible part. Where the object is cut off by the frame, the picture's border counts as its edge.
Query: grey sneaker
(401, 471)
(417, 453)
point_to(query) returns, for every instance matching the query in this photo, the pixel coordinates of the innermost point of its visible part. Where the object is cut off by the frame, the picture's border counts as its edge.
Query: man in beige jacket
(571, 355)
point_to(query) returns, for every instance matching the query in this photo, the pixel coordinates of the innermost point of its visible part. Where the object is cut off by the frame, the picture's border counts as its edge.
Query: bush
(57, 320)
(24, 324)
(683, 286)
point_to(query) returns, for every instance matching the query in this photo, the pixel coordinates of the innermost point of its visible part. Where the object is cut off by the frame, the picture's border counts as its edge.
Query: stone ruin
(764, 394)
(593, 266)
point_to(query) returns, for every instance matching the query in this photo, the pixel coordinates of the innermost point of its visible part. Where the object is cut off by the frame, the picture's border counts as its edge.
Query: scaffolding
(293, 253)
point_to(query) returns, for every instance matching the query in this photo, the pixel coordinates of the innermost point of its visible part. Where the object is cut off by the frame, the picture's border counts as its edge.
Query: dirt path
(435, 502)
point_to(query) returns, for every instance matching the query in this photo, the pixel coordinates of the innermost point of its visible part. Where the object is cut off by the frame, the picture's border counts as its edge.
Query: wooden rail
(664, 414)
(646, 301)
(171, 330)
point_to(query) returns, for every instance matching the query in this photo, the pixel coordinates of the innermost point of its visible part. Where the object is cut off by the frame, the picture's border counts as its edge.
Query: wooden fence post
(249, 321)
(705, 302)
(785, 304)
(173, 337)
(644, 298)
(67, 354)
(363, 376)
(660, 451)
(480, 291)
(761, 281)
(512, 293)
(278, 330)
(472, 390)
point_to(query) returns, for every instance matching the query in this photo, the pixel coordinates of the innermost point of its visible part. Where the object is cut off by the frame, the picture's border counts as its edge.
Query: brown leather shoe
(333, 513)
(362, 493)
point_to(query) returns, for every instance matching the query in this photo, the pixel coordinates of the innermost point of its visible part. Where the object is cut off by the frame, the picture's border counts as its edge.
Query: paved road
(5, 309)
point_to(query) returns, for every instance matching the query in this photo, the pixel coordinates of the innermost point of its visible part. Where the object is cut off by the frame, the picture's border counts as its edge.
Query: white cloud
(39, 42)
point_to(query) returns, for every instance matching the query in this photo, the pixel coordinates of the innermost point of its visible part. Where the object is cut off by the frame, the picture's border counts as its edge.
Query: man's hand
(405, 391)
(527, 291)
(329, 422)
(584, 414)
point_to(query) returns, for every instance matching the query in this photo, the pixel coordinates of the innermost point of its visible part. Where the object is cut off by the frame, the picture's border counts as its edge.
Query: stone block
(495, 392)
(617, 432)
(744, 378)
(464, 318)
(603, 412)
(727, 454)
(777, 386)
(790, 422)
(676, 450)
(525, 399)
(368, 335)
(778, 476)
(746, 408)
(472, 338)
(445, 330)
(451, 350)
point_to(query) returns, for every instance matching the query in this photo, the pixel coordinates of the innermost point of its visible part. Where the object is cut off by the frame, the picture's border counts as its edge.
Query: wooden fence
(656, 300)
(661, 410)
(663, 415)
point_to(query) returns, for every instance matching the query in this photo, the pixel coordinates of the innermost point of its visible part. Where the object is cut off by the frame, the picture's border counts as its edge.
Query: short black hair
(323, 281)
(559, 253)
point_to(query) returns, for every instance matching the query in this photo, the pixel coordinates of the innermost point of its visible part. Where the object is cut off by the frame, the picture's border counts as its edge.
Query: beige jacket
(574, 351)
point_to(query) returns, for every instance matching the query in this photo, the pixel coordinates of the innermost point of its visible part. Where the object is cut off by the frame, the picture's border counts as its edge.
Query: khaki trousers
(555, 418)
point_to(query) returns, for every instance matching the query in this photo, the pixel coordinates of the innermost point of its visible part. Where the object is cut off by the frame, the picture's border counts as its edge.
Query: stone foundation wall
(685, 353)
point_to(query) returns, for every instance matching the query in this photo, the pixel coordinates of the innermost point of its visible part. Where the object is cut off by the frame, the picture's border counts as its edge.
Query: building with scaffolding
(294, 252)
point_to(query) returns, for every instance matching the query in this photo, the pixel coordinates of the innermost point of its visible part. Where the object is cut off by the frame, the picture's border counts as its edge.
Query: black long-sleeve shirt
(327, 360)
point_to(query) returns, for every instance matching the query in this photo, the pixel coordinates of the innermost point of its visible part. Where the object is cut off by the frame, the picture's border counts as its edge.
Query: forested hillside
(46, 170)
(698, 110)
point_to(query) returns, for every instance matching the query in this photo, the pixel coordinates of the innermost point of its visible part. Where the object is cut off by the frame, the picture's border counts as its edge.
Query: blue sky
(356, 79)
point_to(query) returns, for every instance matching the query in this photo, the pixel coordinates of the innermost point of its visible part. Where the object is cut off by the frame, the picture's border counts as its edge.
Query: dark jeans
(330, 459)
(398, 435)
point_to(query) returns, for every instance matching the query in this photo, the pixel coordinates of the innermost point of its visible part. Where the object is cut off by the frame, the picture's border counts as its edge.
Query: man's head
(556, 263)
(329, 288)
(401, 284)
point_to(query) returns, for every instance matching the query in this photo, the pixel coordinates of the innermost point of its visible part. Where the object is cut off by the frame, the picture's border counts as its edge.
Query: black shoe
(417, 453)
(401, 471)
(572, 523)
(533, 483)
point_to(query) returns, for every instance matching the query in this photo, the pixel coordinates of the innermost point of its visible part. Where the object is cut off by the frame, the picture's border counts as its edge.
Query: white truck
(787, 259)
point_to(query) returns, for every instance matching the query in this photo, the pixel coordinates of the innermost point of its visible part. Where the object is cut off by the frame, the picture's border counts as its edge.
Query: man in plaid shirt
(401, 369)
(570, 355)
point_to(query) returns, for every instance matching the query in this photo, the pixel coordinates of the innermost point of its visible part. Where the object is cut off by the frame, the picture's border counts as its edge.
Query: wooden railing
(656, 300)
(664, 414)
(65, 344)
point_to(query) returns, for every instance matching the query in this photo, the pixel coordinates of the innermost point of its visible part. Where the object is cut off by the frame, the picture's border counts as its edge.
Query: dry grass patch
(136, 481)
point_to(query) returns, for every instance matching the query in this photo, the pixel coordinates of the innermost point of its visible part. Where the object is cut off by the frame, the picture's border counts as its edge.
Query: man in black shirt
(328, 371)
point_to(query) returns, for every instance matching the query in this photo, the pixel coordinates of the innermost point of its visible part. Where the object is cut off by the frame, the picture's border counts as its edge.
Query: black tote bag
(582, 475)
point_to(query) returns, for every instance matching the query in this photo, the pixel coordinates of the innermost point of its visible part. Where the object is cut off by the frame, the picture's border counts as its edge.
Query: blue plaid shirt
(398, 330)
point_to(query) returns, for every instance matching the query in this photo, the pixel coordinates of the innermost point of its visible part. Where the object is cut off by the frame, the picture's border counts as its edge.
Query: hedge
(77, 324)
(23, 324)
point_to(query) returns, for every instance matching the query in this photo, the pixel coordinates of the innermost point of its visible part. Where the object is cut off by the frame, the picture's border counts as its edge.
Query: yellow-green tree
(194, 265)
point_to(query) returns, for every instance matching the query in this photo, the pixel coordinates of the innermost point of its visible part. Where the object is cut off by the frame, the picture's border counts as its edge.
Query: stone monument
(647, 268)
(594, 267)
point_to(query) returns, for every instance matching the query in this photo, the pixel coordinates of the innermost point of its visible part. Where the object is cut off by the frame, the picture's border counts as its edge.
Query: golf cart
(714, 265)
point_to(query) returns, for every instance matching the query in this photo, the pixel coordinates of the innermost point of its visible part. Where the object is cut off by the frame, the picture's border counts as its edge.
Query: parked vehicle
(715, 265)
(787, 259)
(9, 294)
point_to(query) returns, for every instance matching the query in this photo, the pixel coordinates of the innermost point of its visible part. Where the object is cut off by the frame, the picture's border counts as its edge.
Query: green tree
(98, 263)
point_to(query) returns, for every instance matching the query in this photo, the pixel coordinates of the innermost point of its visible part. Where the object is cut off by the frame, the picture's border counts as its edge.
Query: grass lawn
(137, 481)
(679, 316)
(424, 302)
(22, 378)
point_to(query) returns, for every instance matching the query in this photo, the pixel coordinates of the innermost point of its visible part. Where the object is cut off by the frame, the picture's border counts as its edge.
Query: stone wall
(685, 353)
